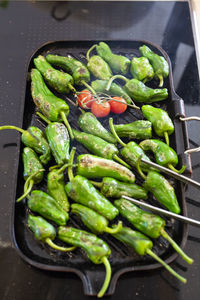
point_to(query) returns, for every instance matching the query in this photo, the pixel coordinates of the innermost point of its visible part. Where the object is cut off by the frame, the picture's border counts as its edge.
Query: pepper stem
(43, 117)
(26, 190)
(114, 230)
(70, 86)
(114, 133)
(12, 127)
(106, 263)
(97, 184)
(64, 167)
(166, 137)
(151, 253)
(71, 159)
(175, 170)
(161, 80)
(89, 87)
(67, 124)
(88, 53)
(54, 246)
(119, 160)
(176, 247)
(113, 78)
(138, 162)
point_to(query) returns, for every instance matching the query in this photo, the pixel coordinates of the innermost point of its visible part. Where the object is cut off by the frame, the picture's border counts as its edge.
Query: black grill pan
(122, 259)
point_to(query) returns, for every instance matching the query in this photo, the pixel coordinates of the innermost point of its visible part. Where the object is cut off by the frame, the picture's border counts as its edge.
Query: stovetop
(25, 26)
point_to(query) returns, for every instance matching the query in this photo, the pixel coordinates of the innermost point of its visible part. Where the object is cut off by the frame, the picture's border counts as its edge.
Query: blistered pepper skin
(95, 144)
(34, 138)
(47, 207)
(90, 124)
(159, 64)
(94, 247)
(136, 130)
(99, 68)
(92, 166)
(159, 118)
(56, 79)
(50, 105)
(112, 188)
(41, 228)
(75, 67)
(118, 63)
(142, 93)
(59, 142)
(141, 69)
(32, 165)
(162, 191)
(115, 90)
(82, 191)
(145, 222)
(164, 154)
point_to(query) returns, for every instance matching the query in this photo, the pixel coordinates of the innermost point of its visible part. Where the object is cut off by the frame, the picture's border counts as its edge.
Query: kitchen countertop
(25, 26)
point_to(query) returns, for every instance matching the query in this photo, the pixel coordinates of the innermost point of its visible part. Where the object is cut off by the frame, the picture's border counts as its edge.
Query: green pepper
(34, 138)
(119, 64)
(164, 154)
(45, 232)
(139, 91)
(82, 191)
(94, 221)
(96, 249)
(90, 124)
(58, 139)
(113, 188)
(56, 187)
(136, 130)
(98, 146)
(52, 107)
(60, 81)
(75, 67)
(33, 171)
(47, 207)
(159, 63)
(115, 90)
(161, 122)
(148, 223)
(91, 166)
(141, 69)
(142, 245)
(97, 66)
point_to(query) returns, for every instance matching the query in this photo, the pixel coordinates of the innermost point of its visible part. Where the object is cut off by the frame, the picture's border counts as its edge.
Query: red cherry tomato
(85, 99)
(118, 107)
(100, 109)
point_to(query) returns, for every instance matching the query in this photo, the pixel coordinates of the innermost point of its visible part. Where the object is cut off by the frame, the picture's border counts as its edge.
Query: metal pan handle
(193, 118)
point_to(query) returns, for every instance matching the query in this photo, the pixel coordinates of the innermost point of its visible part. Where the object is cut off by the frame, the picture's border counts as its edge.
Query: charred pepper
(34, 138)
(119, 64)
(58, 138)
(45, 232)
(142, 245)
(113, 188)
(136, 130)
(164, 154)
(75, 67)
(60, 81)
(33, 171)
(159, 63)
(139, 91)
(97, 66)
(148, 223)
(94, 221)
(90, 124)
(141, 69)
(52, 107)
(96, 249)
(98, 146)
(161, 122)
(47, 207)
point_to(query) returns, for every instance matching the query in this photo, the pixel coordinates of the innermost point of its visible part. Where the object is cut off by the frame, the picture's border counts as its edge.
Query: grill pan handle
(193, 118)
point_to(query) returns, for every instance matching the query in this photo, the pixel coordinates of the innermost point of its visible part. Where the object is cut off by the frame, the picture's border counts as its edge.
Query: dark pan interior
(123, 258)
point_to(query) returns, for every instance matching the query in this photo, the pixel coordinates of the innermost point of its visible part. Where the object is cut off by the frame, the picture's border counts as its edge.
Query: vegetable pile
(106, 171)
